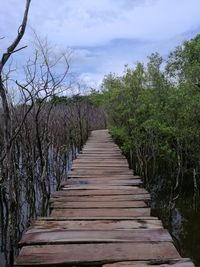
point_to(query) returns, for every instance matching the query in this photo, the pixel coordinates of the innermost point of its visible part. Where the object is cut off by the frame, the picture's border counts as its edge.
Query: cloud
(104, 34)
(98, 22)
(91, 80)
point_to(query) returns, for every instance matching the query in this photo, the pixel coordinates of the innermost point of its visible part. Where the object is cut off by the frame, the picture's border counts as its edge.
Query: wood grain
(86, 254)
(95, 236)
(158, 263)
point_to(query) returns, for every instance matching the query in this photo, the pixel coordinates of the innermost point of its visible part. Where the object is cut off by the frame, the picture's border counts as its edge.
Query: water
(40, 203)
(182, 221)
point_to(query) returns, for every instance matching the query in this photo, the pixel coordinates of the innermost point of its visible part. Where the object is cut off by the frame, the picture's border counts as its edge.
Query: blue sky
(103, 34)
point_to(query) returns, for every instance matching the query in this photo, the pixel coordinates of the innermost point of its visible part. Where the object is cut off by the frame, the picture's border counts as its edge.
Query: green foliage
(96, 98)
(57, 100)
(122, 138)
(154, 111)
(184, 62)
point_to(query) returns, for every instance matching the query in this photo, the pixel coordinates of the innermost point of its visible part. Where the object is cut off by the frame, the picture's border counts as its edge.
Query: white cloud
(91, 80)
(91, 22)
(94, 29)
(88, 22)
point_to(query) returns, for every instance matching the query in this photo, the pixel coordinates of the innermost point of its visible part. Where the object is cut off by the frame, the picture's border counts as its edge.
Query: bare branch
(25, 115)
(17, 50)
(20, 34)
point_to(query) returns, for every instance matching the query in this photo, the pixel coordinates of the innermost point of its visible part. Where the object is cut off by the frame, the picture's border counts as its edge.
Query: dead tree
(5, 157)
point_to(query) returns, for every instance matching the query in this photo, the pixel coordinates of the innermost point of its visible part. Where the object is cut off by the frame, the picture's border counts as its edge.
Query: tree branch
(20, 34)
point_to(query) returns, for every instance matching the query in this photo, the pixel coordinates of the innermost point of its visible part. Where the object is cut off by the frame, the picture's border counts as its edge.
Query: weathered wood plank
(92, 218)
(48, 224)
(87, 254)
(100, 165)
(95, 236)
(97, 205)
(158, 263)
(99, 176)
(104, 188)
(103, 159)
(108, 147)
(58, 196)
(102, 181)
(99, 192)
(85, 167)
(100, 156)
(101, 172)
(120, 212)
(102, 152)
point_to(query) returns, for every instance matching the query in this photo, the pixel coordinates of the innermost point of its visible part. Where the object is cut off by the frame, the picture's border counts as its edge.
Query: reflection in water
(182, 221)
(31, 207)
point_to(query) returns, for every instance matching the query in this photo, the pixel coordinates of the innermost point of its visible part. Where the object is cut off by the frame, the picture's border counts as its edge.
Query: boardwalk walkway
(100, 217)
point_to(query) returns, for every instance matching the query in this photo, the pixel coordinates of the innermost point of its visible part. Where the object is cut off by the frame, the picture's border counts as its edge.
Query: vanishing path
(100, 217)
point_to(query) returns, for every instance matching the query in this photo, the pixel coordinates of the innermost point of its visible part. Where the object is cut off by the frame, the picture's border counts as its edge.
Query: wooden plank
(93, 163)
(159, 263)
(97, 205)
(100, 156)
(100, 163)
(103, 152)
(101, 172)
(94, 160)
(101, 145)
(102, 181)
(95, 236)
(92, 218)
(99, 176)
(99, 192)
(86, 157)
(87, 254)
(94, 153)
(120, 212)
(103, 149)
(96, 169)
(99, 166)
(104, 188)
(48, 224)
(58, 196)
(104, 140)
(90, 162)
(120, 169)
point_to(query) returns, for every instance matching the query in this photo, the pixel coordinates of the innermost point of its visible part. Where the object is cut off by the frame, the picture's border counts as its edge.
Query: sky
(104, 35)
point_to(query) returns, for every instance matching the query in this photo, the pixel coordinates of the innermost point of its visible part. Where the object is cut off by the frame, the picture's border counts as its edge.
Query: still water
(41, 204)
(182, 221)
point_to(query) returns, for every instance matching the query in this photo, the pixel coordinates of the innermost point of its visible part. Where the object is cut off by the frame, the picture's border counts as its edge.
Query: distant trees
(153, 112)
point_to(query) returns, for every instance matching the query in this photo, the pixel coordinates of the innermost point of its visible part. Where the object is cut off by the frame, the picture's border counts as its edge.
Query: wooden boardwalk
(100, 217)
